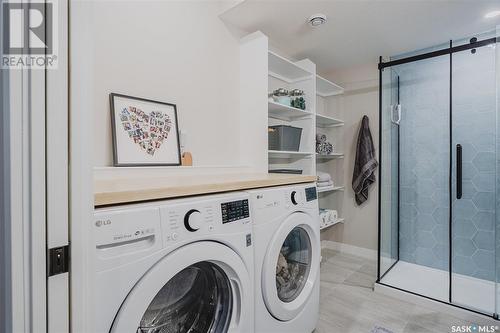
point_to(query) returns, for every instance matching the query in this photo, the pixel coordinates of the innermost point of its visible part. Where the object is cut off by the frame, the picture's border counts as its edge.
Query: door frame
(57, 175)
(81, 190)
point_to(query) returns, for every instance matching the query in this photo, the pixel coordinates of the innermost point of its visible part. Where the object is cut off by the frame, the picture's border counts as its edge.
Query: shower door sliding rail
(437, 53)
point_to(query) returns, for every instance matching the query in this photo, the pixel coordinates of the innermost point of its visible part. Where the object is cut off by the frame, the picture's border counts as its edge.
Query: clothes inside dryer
(294, 261)
(196, 300)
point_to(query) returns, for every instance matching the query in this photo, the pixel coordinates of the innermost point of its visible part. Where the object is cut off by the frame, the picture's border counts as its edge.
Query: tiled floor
(348, 303)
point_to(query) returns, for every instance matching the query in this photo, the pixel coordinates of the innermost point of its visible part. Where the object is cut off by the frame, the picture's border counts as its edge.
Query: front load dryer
(287, 257)
(182, 265)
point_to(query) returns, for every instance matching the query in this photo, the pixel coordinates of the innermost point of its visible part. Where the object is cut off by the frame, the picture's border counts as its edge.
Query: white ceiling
(358, 32)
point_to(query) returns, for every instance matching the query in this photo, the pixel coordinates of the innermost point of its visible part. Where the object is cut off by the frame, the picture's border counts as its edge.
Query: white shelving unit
(326, 88)
(261, 72)
(331, 189)
(329, 156)
(288, 154)
(340, 220)
(327, 122)
(284, 73)
(287, 113)
(286, 70)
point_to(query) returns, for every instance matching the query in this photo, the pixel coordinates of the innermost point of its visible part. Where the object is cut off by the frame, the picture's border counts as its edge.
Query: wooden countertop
(119, 191)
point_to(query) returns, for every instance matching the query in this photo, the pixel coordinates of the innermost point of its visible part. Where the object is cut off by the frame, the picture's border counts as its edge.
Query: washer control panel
(183, 220)
(234, 211)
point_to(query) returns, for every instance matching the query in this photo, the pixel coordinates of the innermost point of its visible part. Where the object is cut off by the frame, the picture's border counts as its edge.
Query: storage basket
(284, 138)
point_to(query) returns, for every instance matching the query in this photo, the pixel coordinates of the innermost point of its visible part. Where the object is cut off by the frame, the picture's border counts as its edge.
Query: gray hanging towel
(365, 163)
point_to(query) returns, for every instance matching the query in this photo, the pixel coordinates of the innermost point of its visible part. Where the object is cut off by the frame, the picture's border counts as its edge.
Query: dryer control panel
(311, 193)
(269, 203)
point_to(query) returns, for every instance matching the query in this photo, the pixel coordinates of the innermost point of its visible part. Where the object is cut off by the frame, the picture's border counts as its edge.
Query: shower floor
(469, 292)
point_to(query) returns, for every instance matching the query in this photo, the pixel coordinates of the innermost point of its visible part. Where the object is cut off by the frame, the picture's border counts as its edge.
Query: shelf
(286, 70)
(330, 157)
(288, 154)
(340, 220)
(325, 88)
(284, 112)
(330, 189)
(325, 121)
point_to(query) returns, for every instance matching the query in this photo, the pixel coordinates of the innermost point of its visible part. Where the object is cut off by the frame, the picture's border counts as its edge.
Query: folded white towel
(324, 184)
(323, 176)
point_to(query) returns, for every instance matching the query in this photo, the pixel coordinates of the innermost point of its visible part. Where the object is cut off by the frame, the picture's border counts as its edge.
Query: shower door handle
(459, 171)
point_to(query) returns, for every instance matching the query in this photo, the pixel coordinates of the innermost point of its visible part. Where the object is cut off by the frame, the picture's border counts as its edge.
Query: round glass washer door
(291, 266)
(199, 288)
(197, 299)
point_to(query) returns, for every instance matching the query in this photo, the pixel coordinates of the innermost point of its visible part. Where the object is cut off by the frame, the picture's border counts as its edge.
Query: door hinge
(58, 260)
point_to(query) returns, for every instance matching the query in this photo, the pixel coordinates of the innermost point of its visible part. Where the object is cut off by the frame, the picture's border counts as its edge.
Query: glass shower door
(389, 205)
(415, 199)
(474, 178)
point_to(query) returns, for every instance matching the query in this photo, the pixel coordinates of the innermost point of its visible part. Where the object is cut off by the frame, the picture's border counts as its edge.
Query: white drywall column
(253, 101)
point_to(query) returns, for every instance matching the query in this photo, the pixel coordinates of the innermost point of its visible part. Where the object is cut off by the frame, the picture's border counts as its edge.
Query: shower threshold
(468, 292)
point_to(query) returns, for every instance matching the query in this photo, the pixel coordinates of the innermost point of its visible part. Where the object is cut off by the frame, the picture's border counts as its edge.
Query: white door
(291, 266)
(201, 287)
(34, 171)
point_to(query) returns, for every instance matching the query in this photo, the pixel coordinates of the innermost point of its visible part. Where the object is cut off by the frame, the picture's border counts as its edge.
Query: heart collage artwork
(148, 131)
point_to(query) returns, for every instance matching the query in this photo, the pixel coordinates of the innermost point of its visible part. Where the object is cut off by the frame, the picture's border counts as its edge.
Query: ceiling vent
(316, 20)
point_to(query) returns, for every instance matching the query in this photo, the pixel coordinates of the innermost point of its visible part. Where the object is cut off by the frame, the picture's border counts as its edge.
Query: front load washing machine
(178, 266)
(287, 257)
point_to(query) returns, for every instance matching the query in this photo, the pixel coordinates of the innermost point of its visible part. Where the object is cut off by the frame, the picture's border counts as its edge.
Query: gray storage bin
(285, 138)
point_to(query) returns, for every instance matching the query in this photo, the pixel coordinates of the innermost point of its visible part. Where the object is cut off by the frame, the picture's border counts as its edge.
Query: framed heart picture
(145, 132)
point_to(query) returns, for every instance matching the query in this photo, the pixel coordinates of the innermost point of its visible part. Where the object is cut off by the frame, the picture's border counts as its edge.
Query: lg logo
(100, 223)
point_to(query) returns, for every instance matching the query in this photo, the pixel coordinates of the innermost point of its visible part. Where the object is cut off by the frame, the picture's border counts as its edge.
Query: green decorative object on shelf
(298, 102)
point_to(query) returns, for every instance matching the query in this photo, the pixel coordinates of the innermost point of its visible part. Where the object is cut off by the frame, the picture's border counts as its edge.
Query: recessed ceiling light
(317, 20)
(492, 14)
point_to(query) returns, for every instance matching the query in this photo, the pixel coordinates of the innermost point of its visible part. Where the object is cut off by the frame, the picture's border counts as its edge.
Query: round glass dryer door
(197, 299)
(293, 264)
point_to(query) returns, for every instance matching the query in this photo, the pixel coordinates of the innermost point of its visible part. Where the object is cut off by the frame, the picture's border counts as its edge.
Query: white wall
(171, 51)
(360, 98)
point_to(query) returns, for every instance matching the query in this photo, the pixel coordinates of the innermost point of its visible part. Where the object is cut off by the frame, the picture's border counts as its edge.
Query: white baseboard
(349, 249)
